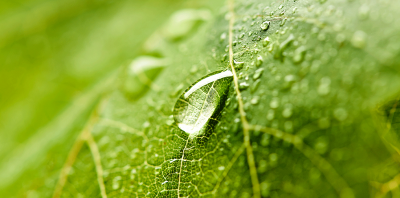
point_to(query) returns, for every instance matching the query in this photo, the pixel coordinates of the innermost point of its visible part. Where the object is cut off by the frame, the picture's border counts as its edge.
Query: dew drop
(183, 22)
(274, 103)
(243, 85)
(266, 41)
(273, 159)
(259, 61)
(299, 54)
(270, 114)
(222, 38)
(287, 112)
(116, 182)
(255, 100)
(140, 74)
(258, 73)
(202, 100)
(324, 123)
(359, 39)
(284, 45)
(255, 86)
(265, 25)
(238, 65)
(283, 21)
(288, 125)
(224, 57)
(340, 114)
(193, 69)
(363, 12)
(324, 87)
(321, 145)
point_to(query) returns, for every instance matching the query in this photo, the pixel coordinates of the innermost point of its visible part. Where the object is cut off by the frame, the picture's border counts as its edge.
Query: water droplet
(280, 7)
(140, 74)
(294, 10)
(363, 12)
(255, 86)
(290, 78)
(274, 103)
(238, 65)
(241, 35)
(258, 73)
(224, 57)
(299, 54)
(315, 66)
(288, 126)
(283, 46)
(271, 47)
(221, 168)
(177, 90)
(116, 182)
(265, 25)
(270, 114)
(324, 87)
(182, 22)
(193, 69)
(340, 114)
(321, 145)
(255, 100)
(283, 21)
(259, 61)
(266, 41)
(201, 101)
(273, 159)
(250, 33)
(359, 39)
(170, 121)
(243, 85)
(222, 38)
(324, 123)
(287, 112)
(265, 189)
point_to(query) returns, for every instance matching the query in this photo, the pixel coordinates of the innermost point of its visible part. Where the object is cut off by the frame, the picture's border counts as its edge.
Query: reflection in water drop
(265, 25)
(196, 106)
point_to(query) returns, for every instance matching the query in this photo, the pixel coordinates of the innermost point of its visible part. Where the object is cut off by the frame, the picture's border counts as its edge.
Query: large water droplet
(201, 101)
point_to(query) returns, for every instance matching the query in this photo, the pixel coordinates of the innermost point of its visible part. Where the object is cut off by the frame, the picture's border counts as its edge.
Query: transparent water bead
(265, 25)
(141, 73)
(201, 101)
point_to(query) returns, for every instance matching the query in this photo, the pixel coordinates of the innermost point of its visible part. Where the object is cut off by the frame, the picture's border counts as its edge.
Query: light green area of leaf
(316, 95)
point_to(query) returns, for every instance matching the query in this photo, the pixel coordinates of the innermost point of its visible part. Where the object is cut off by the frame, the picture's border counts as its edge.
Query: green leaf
(309, 112)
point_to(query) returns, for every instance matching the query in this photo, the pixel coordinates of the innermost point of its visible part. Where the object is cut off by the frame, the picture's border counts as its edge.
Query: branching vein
(245, 123)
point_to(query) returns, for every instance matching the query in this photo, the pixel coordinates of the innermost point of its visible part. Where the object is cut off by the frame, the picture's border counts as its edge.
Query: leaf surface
(300, 118)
